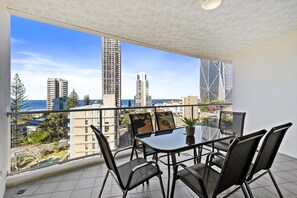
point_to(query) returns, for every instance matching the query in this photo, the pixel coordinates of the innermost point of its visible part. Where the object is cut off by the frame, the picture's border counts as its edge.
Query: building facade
(216, 81)
(56, 88)
(111, 68)
(60, 103)
(82, 139)
(142, 97)
(187, 111)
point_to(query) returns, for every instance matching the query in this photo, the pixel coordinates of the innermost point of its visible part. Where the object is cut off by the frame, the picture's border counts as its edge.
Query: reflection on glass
(190, 140)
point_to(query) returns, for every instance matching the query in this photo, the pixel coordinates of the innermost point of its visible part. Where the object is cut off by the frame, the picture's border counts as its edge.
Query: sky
(40, 51)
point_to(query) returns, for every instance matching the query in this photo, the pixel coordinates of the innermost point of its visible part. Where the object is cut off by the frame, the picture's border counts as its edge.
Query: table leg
(173, 163)
(168, 167)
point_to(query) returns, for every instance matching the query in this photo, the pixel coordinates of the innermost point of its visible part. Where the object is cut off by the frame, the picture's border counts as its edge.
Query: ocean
(41, 104)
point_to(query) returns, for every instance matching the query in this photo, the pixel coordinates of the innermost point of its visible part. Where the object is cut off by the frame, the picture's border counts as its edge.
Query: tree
(86, 100)
(57, 126)
(19, 102)
(73, 100)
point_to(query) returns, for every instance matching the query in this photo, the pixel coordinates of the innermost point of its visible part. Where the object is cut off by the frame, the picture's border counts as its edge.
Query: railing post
(100, 126)
(192, 111)
(155, 110)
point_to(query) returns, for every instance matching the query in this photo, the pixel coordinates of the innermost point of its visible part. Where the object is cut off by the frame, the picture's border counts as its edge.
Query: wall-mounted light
(210, 4)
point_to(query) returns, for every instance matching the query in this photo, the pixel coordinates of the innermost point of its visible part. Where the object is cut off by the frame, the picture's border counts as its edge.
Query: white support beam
(4, 94)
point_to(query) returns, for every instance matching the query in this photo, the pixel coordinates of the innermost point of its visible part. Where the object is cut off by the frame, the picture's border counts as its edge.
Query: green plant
(190, 122)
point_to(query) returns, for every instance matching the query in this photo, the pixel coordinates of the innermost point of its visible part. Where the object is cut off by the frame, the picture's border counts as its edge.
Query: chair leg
(125, 193)
(173, 185)
(275, 184)
(132, 152)
(104, 181)
(162, 187)
(244, 191)
(248, 189)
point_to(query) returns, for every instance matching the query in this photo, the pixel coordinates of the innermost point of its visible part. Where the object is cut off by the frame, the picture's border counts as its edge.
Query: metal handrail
(154, 108)
(116, 108)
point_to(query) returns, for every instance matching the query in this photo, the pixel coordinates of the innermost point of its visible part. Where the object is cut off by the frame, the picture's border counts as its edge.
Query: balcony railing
(44, 138)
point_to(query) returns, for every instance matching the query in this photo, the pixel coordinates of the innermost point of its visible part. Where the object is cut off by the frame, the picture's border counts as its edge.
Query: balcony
(258, 37)
(86, 182)
(82, 176)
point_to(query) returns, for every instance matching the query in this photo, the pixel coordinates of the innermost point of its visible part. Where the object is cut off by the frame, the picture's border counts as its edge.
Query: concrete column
(4, 94)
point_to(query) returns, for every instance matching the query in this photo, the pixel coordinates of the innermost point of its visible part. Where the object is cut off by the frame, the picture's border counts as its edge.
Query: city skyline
(40, 51)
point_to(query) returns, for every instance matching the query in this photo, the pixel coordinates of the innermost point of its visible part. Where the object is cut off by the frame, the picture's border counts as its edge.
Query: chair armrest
(139, 167)
(118, 151)
(143, 165)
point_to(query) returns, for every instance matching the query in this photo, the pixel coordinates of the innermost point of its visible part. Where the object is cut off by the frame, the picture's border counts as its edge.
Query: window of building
(93, 146)
(106, 128)
(86, 147)
(86, 138)
(86, 129)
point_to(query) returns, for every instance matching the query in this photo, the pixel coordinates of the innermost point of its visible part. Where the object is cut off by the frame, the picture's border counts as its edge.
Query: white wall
(265, 86)
(4, 94)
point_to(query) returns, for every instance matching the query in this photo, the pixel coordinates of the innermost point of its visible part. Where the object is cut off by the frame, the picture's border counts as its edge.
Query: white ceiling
(179, 26)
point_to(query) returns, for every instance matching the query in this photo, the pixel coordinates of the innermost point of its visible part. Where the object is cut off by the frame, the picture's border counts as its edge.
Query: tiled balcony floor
(86, 182)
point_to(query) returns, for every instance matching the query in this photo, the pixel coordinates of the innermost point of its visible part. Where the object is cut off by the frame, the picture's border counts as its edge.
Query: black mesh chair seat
(141, 123)
(140, 176)
(264, 159)
(230, 122)
(206, 173)
(221, 146)
(165, 120)
(206, 182)
(130, 174)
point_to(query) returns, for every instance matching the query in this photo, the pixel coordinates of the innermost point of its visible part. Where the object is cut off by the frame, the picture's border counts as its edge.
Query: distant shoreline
(41, 104)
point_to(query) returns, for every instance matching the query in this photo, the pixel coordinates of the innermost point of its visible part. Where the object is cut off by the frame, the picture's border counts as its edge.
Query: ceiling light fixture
(210, 4)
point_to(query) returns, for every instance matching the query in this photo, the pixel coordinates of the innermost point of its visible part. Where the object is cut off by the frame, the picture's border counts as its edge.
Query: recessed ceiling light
(210, 4)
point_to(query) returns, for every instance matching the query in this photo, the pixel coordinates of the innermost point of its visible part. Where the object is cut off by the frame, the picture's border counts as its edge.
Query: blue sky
(40, 50)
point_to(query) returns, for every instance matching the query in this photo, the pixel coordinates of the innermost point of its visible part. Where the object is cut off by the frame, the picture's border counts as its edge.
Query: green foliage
(190, 122)
(18, 95)
(57, 126)
(86, 100)
(124, 119)
(35, 138)
(18, 103)
(73, 100)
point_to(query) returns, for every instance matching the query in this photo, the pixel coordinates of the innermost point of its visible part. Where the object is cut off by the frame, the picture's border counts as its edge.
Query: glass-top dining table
(175, 141)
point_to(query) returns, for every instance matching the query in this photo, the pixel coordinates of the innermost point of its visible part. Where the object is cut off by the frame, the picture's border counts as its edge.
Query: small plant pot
(190, 131)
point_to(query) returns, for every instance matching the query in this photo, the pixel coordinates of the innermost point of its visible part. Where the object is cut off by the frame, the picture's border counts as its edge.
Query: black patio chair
(207, 182)
(141, 123)
(165, 120)
(267, 154)
(230, 122)
(128, 175)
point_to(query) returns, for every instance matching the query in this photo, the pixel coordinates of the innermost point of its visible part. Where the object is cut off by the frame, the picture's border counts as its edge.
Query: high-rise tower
(111, 68)
(56, 88)
(142, 97)
(216, 81)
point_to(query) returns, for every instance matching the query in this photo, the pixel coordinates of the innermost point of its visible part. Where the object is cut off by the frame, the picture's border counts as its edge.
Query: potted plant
(190, 122)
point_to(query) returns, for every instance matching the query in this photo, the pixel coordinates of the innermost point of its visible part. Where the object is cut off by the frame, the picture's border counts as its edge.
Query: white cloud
(17, 41)
(167, 79)
(34, 69)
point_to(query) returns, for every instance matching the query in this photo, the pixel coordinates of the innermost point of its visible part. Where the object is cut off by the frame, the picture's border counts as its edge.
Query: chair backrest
(165, 120)
(141, 123)
(268, 149)
(107, 155)
(232, 121)
(238, 160)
